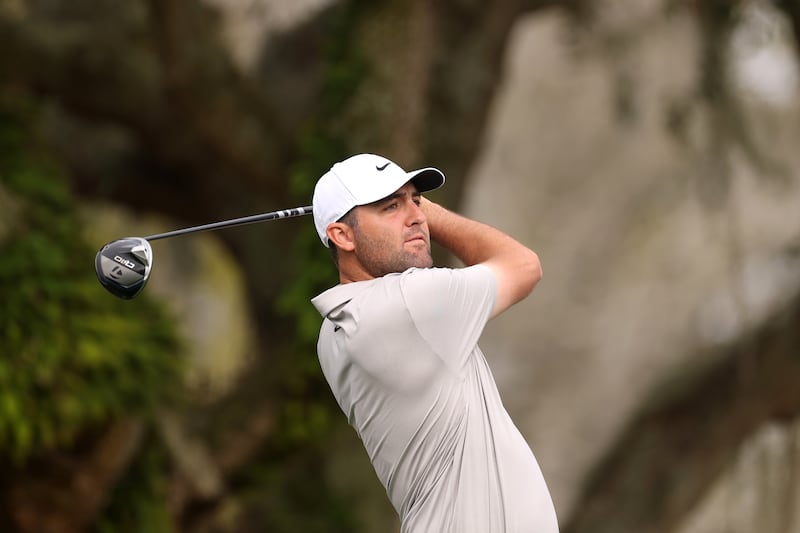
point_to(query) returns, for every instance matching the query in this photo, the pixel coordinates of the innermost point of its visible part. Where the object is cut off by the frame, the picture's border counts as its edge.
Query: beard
(380, 256)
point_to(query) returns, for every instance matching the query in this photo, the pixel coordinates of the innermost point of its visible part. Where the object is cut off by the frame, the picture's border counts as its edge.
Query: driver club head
(123, 266)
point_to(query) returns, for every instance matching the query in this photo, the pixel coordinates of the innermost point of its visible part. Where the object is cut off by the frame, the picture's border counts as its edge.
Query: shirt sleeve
(450, 308)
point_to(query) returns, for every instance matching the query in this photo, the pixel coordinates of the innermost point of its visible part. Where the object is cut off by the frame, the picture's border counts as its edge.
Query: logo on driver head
(380, 168)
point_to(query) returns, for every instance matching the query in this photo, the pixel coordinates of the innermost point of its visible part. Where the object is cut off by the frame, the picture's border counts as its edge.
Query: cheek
(377, 244)
(384, 231)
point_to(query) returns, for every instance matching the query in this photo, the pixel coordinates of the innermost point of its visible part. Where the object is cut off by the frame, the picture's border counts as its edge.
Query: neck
(351, 270)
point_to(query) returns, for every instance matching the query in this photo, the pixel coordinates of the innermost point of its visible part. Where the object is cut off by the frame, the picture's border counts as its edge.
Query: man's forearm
(469, 240)
(516, 267)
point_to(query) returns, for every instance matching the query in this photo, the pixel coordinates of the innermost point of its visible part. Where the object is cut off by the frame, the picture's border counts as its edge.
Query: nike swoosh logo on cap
(380, 168)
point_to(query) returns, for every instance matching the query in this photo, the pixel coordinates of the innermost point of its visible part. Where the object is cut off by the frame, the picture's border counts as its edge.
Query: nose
(415, 214)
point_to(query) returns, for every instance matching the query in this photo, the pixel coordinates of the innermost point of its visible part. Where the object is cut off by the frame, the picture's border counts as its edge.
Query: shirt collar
(339, 295)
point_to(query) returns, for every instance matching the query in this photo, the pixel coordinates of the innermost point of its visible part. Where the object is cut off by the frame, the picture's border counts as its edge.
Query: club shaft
(284, 213)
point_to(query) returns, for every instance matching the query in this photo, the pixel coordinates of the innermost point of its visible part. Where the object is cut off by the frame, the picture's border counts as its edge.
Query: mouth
(417, 239)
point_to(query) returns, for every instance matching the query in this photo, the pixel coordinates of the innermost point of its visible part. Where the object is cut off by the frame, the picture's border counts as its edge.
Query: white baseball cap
(360, 180)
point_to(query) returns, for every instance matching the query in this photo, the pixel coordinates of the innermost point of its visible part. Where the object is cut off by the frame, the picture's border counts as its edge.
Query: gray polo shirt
(401, 357)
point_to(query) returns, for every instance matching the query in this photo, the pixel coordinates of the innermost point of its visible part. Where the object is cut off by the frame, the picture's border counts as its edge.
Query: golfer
(399, 348)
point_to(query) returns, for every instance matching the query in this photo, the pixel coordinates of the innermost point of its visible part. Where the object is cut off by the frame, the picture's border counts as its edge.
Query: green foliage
(71, 355)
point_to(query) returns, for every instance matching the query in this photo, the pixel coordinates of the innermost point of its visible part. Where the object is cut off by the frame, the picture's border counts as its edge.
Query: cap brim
(427, 179)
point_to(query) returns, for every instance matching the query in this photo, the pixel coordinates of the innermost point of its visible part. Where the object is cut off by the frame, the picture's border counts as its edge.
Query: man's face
(391, 235)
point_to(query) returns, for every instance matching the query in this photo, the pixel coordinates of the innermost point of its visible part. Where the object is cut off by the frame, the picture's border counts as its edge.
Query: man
(398, 347)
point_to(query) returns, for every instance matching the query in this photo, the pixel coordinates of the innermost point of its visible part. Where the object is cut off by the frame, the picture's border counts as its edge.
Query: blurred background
(646, 149)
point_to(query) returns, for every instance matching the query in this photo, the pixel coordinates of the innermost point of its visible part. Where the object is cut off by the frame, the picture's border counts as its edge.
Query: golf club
(123, 266)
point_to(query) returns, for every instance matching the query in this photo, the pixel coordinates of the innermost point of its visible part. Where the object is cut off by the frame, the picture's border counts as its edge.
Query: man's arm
(515, 266)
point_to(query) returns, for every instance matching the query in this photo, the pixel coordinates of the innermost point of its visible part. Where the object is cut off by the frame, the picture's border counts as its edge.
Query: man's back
(400, 354)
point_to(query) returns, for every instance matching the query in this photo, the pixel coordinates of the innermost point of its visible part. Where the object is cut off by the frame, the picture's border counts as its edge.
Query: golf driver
(123, 266)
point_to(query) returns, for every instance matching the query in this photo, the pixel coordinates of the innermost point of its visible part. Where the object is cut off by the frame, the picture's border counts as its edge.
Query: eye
(390, 206)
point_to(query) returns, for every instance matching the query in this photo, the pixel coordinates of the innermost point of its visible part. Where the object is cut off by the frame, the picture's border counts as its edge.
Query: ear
(341, 235)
